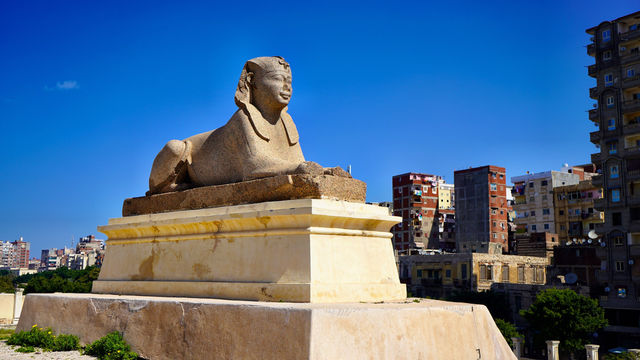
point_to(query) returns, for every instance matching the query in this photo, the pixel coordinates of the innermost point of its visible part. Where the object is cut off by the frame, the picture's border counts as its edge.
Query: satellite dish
(589, 241)
(592, 234)
(603, 244)
(570, 278)
(575, 240)
(568, 243)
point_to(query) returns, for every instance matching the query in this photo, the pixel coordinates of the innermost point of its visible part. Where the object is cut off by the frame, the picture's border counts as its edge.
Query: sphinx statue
(260, 139)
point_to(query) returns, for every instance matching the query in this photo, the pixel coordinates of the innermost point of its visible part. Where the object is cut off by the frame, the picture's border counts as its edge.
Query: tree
(60, 280)
(508, 330)
(565, 316)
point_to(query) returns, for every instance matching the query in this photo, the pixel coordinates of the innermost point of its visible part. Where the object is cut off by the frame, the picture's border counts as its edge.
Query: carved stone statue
(260, 139)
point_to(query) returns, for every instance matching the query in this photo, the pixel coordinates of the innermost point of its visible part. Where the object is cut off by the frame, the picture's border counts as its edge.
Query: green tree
(508, 330)
(60, 280)
(566, 316)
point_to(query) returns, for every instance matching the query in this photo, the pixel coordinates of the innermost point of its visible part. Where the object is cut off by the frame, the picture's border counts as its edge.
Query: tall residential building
(615, 46)
(446, 196)
(21, 249)
(415, 198)
(481, 209)
(575, 215)
(534, 198)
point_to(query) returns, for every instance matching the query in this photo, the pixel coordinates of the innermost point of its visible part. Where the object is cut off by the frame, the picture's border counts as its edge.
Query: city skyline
(428, 88)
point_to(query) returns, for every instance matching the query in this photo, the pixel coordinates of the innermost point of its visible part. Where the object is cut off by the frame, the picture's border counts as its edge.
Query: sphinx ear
(249, 78)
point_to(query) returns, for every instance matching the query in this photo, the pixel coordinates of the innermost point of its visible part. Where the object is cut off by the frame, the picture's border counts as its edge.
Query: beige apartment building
(575, 215)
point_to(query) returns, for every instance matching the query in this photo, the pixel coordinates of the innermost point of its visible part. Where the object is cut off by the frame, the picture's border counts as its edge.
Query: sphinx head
(265, 82)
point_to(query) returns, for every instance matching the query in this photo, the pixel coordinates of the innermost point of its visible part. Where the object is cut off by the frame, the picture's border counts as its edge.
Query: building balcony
(628, 57)
(593, 115)
(593, 93)
(629, 35)
(631, 81)
(631, 129)
(594, 137)
(631, 105)
(597, 180)
(592, 71)
(632, 175)
(591, 49)
(596, 158)
(634, 250)
(632, 151)
(599, 204)
(633, 200)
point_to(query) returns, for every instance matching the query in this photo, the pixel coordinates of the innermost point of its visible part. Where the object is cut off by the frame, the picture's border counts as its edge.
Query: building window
(532, 199)
(618, 241)
(505, 273)
(615, 195)
(606, 35)
(493, 211)
(493, 187)
(531, 184)
(495, 224)
(613, 172)
(546, 226)
(520, 274)
(419, 273)
(606, 55)
(562, 227)
(611, 124)
(560, 212)
(619, 266)
(631, 73)
(463, 271)
(539, 275)
(533, 213)
(621, 292)
(483, 272)
(489, 275)
(616, 218)
(495, 236)
(608, 80)
(610, 102)
(545, 211)
(544, 183)
(613, 147)
(533, 227)
(447, 273)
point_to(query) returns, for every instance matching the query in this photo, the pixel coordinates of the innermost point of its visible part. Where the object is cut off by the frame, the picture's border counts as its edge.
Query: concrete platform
(191, 328)
(305, 250)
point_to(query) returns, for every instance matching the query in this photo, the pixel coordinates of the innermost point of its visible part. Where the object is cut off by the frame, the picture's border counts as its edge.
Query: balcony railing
(595, 158)
(634, 250)
(591, 49)
(593, 92)
(633, 150)
(634, 200)
(631, 81)
(592, 70)
(593, 114)
(630, 35)
(631, 128)
(594, 137)
(631, 105)
(631, 175)
(597, 180)
(627, 57)
(599, 204)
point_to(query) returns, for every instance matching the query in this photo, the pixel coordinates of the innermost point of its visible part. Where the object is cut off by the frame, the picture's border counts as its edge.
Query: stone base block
(189, 328)
(282, 187)
(305, 250)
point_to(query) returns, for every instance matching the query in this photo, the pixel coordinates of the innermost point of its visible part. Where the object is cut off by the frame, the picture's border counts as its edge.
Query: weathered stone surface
(305, 250)
(282, 187)
(180, 328)
(260, 139)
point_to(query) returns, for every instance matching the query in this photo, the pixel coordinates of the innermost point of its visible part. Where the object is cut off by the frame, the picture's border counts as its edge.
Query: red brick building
(481, 209)
(21, 249)
(415, 198)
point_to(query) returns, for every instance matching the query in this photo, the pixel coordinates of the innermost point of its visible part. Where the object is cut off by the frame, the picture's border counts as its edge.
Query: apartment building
(415, 199)
(574, 212)
(615, 46)
(446, 196)
(481, 210)
(533, 195)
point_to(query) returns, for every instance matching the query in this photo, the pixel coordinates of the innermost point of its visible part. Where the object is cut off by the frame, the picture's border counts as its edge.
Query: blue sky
(91, 91)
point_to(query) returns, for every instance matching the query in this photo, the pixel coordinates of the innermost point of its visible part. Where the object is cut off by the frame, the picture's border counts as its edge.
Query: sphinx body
(259, 140)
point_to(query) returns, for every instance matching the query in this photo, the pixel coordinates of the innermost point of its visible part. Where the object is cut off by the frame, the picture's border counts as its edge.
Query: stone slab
(305, 250)
(283, 187)
(188, 328)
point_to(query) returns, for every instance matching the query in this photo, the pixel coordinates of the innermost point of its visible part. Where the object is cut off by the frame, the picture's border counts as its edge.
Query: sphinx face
(274, 88)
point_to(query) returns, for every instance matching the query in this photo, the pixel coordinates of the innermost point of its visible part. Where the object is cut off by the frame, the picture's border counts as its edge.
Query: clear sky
(91, 91)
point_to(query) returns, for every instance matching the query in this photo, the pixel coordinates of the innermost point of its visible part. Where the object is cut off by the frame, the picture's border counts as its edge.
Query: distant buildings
(88, 252)
(415, 198)
(615, 46)
(574, 212)
(481, 210)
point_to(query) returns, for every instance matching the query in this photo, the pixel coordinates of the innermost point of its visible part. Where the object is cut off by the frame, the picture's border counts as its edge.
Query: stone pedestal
(190, 328)
(592, 351)
(305, 250)
(552, 349)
